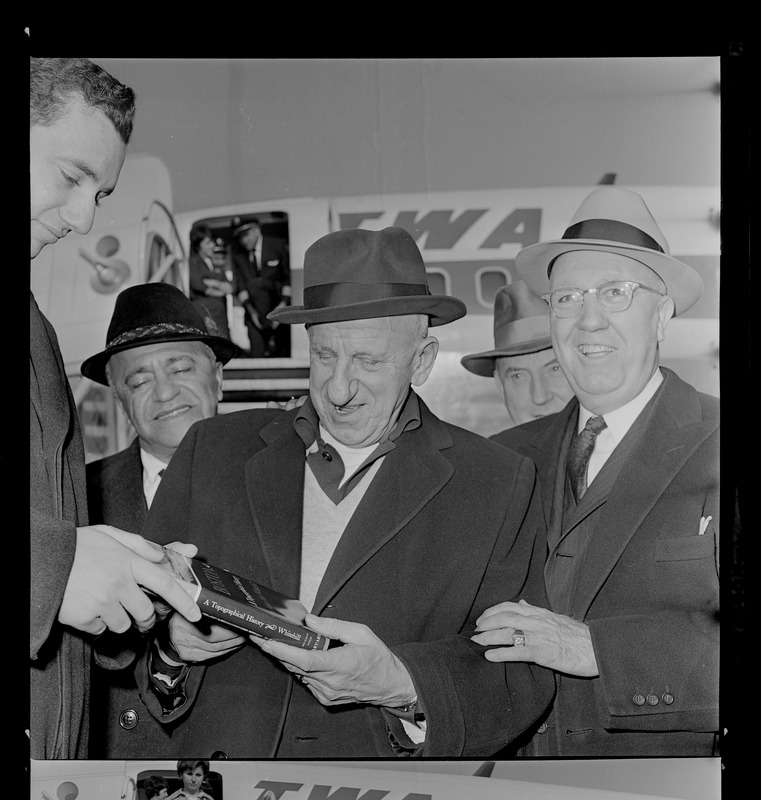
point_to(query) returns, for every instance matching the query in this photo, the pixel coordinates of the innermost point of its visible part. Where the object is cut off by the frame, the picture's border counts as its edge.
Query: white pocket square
(704, 524)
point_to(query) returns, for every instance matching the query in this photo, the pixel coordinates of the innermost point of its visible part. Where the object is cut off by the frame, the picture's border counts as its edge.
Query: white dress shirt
(618, 423)
(151, 478)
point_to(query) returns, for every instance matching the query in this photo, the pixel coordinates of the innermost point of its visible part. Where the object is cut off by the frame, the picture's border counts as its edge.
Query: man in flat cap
(396, 528)
(522, 362)
(629, 475)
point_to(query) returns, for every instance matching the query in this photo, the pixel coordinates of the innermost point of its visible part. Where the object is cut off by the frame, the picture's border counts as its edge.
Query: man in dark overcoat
(165, 369)
(85, 579)
(629, 475)
(396, 528)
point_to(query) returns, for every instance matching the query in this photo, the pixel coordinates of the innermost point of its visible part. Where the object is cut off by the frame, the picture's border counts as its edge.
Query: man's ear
(500, 385)
(220, 371)
(424, 360)
(665, 313)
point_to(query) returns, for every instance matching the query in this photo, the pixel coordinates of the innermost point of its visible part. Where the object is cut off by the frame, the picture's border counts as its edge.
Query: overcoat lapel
(661, 452)
(391, 501)
(547, 451)
(275, 487)
(129, 478)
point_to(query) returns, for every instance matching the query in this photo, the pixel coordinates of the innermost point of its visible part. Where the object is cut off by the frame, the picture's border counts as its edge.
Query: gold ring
(519, 638)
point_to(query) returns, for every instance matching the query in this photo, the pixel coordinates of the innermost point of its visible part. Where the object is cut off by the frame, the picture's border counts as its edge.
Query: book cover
(243, 604)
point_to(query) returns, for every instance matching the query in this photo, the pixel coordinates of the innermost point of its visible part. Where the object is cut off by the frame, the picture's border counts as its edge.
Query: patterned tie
(579, 454)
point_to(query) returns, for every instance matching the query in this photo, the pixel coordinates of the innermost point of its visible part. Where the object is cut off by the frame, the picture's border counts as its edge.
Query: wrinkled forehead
(589, 268)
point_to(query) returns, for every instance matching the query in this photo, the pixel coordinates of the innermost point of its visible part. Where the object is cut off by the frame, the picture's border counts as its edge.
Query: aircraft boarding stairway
(253, 382)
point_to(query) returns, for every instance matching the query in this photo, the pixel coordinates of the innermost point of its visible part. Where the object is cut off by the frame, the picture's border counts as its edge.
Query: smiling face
(532, 385)
(361, 371)
(607, 357)
(164, 389)
(74, 164)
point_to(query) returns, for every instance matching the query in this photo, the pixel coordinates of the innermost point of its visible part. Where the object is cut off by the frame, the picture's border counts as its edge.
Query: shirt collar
(621, 419)
(151, 465)
(307, 423)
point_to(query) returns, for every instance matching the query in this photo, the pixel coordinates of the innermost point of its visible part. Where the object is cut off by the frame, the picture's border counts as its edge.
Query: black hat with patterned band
(153, 313)
(614, 220)
(359, 274)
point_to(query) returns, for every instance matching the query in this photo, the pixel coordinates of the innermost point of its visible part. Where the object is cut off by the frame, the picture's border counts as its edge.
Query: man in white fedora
(629, 475)
(522, 362)
(396, 528)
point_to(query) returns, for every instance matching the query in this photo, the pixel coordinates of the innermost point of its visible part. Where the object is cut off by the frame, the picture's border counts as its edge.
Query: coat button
(542, 728)
(327, 456)
(653, 700)
(638, 699)
(668, 698)
(128, 719)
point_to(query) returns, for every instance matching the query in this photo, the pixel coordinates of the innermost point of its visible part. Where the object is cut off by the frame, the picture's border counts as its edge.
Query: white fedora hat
(614, 220)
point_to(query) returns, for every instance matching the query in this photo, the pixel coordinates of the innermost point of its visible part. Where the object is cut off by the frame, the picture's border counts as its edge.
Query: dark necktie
(254, 264)
(579, 454)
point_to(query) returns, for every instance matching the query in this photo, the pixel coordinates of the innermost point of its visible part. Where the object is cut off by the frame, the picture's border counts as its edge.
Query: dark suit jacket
(215, 307)
(115, 490)
(649, 586)
(266, 289)
(450, 525)
(60, 658)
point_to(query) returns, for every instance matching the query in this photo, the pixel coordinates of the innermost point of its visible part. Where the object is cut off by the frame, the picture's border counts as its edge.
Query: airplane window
(212, 785)
(439, 281)
(489, 281)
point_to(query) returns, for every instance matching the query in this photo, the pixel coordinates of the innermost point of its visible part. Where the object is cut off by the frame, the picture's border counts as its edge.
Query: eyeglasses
(613, 296)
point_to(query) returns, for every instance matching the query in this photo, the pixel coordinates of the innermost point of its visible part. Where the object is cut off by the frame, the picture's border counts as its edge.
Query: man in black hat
(165, 370)
(396, 528)
(262, 273)
(629, 473)
(84, 578)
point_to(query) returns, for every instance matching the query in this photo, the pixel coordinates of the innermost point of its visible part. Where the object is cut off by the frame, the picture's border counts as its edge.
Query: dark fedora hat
(614, 220)
(153, 313)
(521, 327)
(359, 274)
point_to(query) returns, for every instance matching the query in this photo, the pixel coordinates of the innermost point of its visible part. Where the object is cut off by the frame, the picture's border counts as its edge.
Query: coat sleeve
(53, 543)
(168, 522)
(196, 272)
(667, 645)
(474, 707)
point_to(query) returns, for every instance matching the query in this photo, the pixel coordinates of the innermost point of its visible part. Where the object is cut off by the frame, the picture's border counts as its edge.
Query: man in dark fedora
(522, 362)
(396, 528)
(629, 475)
(165, 370)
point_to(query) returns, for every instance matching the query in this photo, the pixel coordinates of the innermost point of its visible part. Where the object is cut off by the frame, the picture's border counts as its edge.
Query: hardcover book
(243, 604)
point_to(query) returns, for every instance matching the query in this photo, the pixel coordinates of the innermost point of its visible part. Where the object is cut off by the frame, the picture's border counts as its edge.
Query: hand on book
(364, 670)
(111, 572)
(194, 644)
